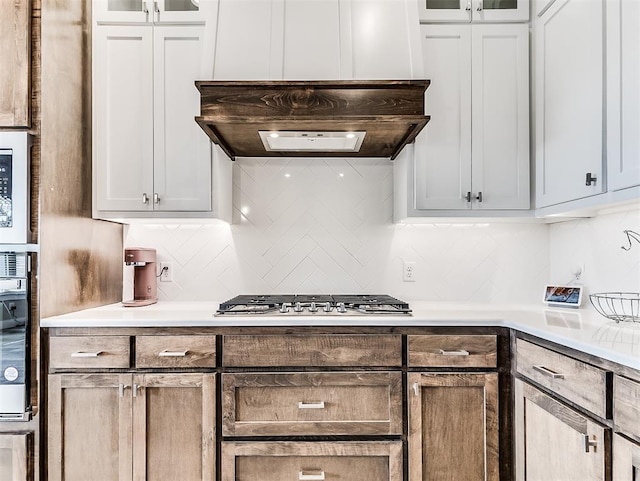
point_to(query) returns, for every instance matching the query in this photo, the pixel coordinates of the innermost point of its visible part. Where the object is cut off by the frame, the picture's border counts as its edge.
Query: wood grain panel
(312, 350)
(449, 351)
(450, 414)
(15, 51)
(551, 441)
(580, 383)
(73, 352)
(351, 404)
(175, 351)
(14, 456)
(174, 427)
(626, 460)
(626, 406)
(277, 461)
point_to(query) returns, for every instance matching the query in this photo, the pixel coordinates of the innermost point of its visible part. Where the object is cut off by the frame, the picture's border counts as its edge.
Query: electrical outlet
(409, 271)
(166, 272)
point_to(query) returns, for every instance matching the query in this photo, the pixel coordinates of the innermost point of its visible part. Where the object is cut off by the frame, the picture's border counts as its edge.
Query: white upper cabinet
(474, 10)
(149, 11)
(474, 153)
(317, 40)
(569, 95)
(623, 93)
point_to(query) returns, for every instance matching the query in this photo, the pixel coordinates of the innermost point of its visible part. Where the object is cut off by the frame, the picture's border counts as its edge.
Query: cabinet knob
(590, 179)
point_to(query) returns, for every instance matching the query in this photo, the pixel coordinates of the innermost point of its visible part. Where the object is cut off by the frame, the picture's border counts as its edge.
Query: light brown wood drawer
(626, 406)
(578, 382)
(100, 352)
(175, 351)
(306, 404)
(312, 350)
(453, 351)
(311, 461)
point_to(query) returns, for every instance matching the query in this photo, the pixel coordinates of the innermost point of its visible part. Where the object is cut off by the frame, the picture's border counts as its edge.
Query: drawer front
(576, 381)
(312, 350)
(102, 352)
(312, 461)
(308, 404)
(453, 351)
(626, 406)
(175, 351)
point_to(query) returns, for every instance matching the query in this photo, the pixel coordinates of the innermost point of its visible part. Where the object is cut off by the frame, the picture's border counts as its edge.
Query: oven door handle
(86, 354)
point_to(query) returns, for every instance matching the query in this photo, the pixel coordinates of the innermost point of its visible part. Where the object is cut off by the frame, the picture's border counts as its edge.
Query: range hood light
(310, 141)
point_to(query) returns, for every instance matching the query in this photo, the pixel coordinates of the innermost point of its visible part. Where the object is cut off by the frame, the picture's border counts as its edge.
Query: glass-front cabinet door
(148, 11)
(474, 10)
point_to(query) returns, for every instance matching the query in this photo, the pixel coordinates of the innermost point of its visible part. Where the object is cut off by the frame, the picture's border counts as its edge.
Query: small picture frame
(563, 296)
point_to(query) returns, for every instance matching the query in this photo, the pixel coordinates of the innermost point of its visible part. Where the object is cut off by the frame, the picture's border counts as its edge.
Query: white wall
(325, 225)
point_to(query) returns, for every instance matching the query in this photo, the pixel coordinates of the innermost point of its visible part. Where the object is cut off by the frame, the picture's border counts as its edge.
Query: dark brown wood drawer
(100, 352)
(312, 461)
(626, 406)
(578, 382)
(319, 350)
(306, 404)
(175, 351)
(453, 351)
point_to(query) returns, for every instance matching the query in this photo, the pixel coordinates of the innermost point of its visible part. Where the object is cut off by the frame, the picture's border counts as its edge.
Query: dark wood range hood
(389, 112)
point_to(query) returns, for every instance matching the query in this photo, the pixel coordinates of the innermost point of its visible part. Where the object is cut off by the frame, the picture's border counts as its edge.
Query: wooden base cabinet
(14, 456)
(453, 426)
(312, 461)
(125, 427)
(557, 443)
(626, 459)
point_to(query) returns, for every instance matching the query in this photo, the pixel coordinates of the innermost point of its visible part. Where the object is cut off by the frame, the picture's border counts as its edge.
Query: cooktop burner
(307, 304)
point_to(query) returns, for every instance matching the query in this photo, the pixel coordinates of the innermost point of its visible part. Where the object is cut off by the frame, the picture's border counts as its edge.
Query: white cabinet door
(182, 151)
(120, 11)
(569, 95)
(500, 116)
(474, 10)
(238, 55)
(179, 11)
(123, 117)
(623, 93)
(442, 165)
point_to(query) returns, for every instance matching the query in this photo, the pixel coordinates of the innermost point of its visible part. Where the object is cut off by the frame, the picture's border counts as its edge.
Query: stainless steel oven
(14, 336)
(14, 187)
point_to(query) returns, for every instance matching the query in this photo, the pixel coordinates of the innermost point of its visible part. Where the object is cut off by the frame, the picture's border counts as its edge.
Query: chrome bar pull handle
(314, 405)
(156, 198)
(479, 197)
(590, 179)
(468, 197)
(167, 353)
(468, 7)
(145, 198)
(121, 390)
(134, 389)
(86, 354)
(548, 372)
(311, 476)
(416, 388)
(589, 443)
(458, 352)
(156, 9)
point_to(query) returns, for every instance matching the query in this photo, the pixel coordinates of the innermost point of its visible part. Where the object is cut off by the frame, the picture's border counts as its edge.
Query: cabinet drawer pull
(315, 405)
(167, 353)
(548, 372)
(86, 354)
(458, 352)
(311, 476)
(589, 443)
(121, 388)
(416, 388)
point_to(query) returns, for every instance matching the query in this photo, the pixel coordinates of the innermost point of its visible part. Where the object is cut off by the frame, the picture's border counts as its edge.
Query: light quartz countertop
(582, 329)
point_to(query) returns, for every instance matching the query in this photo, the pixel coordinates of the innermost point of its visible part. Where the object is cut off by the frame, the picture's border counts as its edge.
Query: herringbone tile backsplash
(325, 226)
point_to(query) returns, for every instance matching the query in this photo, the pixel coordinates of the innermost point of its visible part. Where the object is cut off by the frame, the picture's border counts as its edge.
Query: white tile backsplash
(325, 225)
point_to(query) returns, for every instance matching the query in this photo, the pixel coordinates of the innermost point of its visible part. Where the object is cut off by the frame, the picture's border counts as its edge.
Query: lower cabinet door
(626, 459)
(174, 427)
(312, 461)
(555, 442)
(453, 426)
(15, 456)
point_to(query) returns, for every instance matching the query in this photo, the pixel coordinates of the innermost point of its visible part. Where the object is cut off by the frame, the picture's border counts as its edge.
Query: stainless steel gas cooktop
(317, 305)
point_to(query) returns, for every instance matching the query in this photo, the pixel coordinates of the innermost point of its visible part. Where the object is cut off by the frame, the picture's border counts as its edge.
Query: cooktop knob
(341, 308)
(284, 308)
(327, 307)
(297, 307)
(313, 307)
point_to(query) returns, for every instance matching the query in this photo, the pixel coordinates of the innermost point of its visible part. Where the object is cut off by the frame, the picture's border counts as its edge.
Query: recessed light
(350, 135)
(274, 135)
